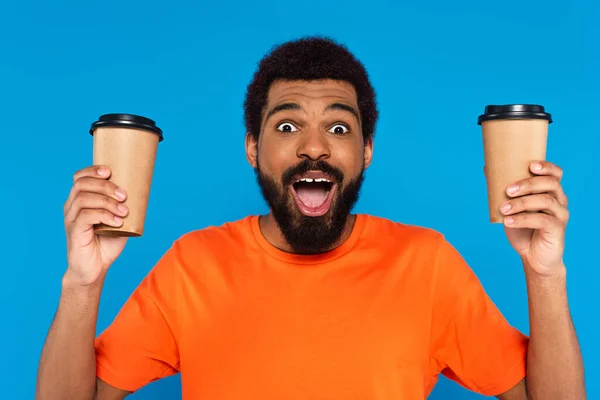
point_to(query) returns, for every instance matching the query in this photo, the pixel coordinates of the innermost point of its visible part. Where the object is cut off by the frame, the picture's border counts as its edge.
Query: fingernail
(506, 207)
(120, 193)
(512, 189)
(509, 220)
(122, 207)
(102, 171)
(118, 220)
(536, 166)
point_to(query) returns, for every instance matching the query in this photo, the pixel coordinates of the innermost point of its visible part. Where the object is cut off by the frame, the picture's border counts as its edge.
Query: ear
(251, 150)
(368, 152)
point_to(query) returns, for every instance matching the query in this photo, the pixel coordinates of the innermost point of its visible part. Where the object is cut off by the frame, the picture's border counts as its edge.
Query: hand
(536, 219)
(93, 199)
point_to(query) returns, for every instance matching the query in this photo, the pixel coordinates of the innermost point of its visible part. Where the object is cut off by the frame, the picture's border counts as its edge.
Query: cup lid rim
(514, 111)
(128, 121)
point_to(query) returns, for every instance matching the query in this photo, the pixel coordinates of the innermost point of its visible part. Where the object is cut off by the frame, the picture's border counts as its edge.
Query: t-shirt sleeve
(140, 346)
(472, 343)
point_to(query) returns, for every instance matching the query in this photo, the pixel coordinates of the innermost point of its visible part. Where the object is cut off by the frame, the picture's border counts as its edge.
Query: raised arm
(67, 368)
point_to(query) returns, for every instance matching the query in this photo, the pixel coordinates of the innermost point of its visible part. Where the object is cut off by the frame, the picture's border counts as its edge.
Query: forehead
(306, 91)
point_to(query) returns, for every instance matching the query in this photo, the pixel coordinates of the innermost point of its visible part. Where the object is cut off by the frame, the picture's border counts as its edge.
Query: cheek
(275, 157)
(351, 160)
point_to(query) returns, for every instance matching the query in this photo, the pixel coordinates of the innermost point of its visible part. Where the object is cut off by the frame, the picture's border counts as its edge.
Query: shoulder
(430, 244)
(213, 242)
(232, 231)
(196, 254)
(382, 229)
(423, 250)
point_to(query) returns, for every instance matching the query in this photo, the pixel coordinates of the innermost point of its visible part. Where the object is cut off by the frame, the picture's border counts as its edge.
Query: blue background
(434, 64)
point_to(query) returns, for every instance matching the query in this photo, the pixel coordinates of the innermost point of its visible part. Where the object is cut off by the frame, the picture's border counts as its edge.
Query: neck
(274, 236)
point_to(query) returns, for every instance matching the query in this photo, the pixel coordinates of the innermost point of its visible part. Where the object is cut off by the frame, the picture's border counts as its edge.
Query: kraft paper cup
(127, 144)
(514, 135)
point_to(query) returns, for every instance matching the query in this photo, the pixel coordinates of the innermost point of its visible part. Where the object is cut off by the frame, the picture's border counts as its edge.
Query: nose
(313, 145)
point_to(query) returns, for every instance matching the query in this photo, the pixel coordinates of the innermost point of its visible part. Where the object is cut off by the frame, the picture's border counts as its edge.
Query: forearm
(68, 363)
(554, 362)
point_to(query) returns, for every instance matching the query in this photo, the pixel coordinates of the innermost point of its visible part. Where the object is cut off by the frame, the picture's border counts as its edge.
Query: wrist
(555, 270)
(556, 279)
(78, 305)
(74, 285)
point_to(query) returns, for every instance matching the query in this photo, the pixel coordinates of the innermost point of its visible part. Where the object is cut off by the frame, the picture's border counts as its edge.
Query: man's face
(309, 159)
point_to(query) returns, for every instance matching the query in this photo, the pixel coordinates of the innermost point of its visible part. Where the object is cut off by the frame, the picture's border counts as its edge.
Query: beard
(305, 234)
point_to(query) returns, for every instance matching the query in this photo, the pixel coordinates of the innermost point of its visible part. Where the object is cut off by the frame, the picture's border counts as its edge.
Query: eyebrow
(343, 107)
(297, 107)
(283, 107)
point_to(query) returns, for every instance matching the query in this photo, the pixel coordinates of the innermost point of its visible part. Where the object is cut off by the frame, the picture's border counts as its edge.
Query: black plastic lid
(127, 121)
(514, 111)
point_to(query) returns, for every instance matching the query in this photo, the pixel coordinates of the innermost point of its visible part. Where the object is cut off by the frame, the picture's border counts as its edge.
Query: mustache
(308, 165)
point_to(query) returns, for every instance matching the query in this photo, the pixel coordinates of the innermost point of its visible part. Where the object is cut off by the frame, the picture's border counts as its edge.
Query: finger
(96, 171)
(537, 202)
(546, 168)
(94, 185)
(538, 184)
(533, 221)
(89, 217)
(89, 200)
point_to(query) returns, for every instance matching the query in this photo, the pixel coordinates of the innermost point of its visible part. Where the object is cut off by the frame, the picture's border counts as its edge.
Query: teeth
(309, 180)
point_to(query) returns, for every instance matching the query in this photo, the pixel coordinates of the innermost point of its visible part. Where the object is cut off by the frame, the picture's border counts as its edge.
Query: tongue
(311, 196)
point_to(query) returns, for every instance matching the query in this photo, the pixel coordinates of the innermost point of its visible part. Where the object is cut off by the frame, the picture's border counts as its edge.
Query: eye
(339, 129)
(287, 127)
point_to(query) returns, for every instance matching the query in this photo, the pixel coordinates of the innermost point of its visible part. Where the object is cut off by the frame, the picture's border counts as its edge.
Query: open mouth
(313, 193)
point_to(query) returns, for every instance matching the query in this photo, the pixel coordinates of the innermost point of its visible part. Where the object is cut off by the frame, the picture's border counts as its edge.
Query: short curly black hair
(310, 58)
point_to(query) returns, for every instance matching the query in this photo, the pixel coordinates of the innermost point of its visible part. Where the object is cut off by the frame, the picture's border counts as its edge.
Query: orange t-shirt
(380, 317)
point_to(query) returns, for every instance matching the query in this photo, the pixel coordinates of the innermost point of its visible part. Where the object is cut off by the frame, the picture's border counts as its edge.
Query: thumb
(111, 247)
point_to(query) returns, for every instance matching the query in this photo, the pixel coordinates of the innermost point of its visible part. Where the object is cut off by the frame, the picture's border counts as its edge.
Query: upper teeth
(309, 180)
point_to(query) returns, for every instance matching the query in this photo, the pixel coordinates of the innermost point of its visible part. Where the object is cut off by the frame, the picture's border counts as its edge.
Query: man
(311, 301)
